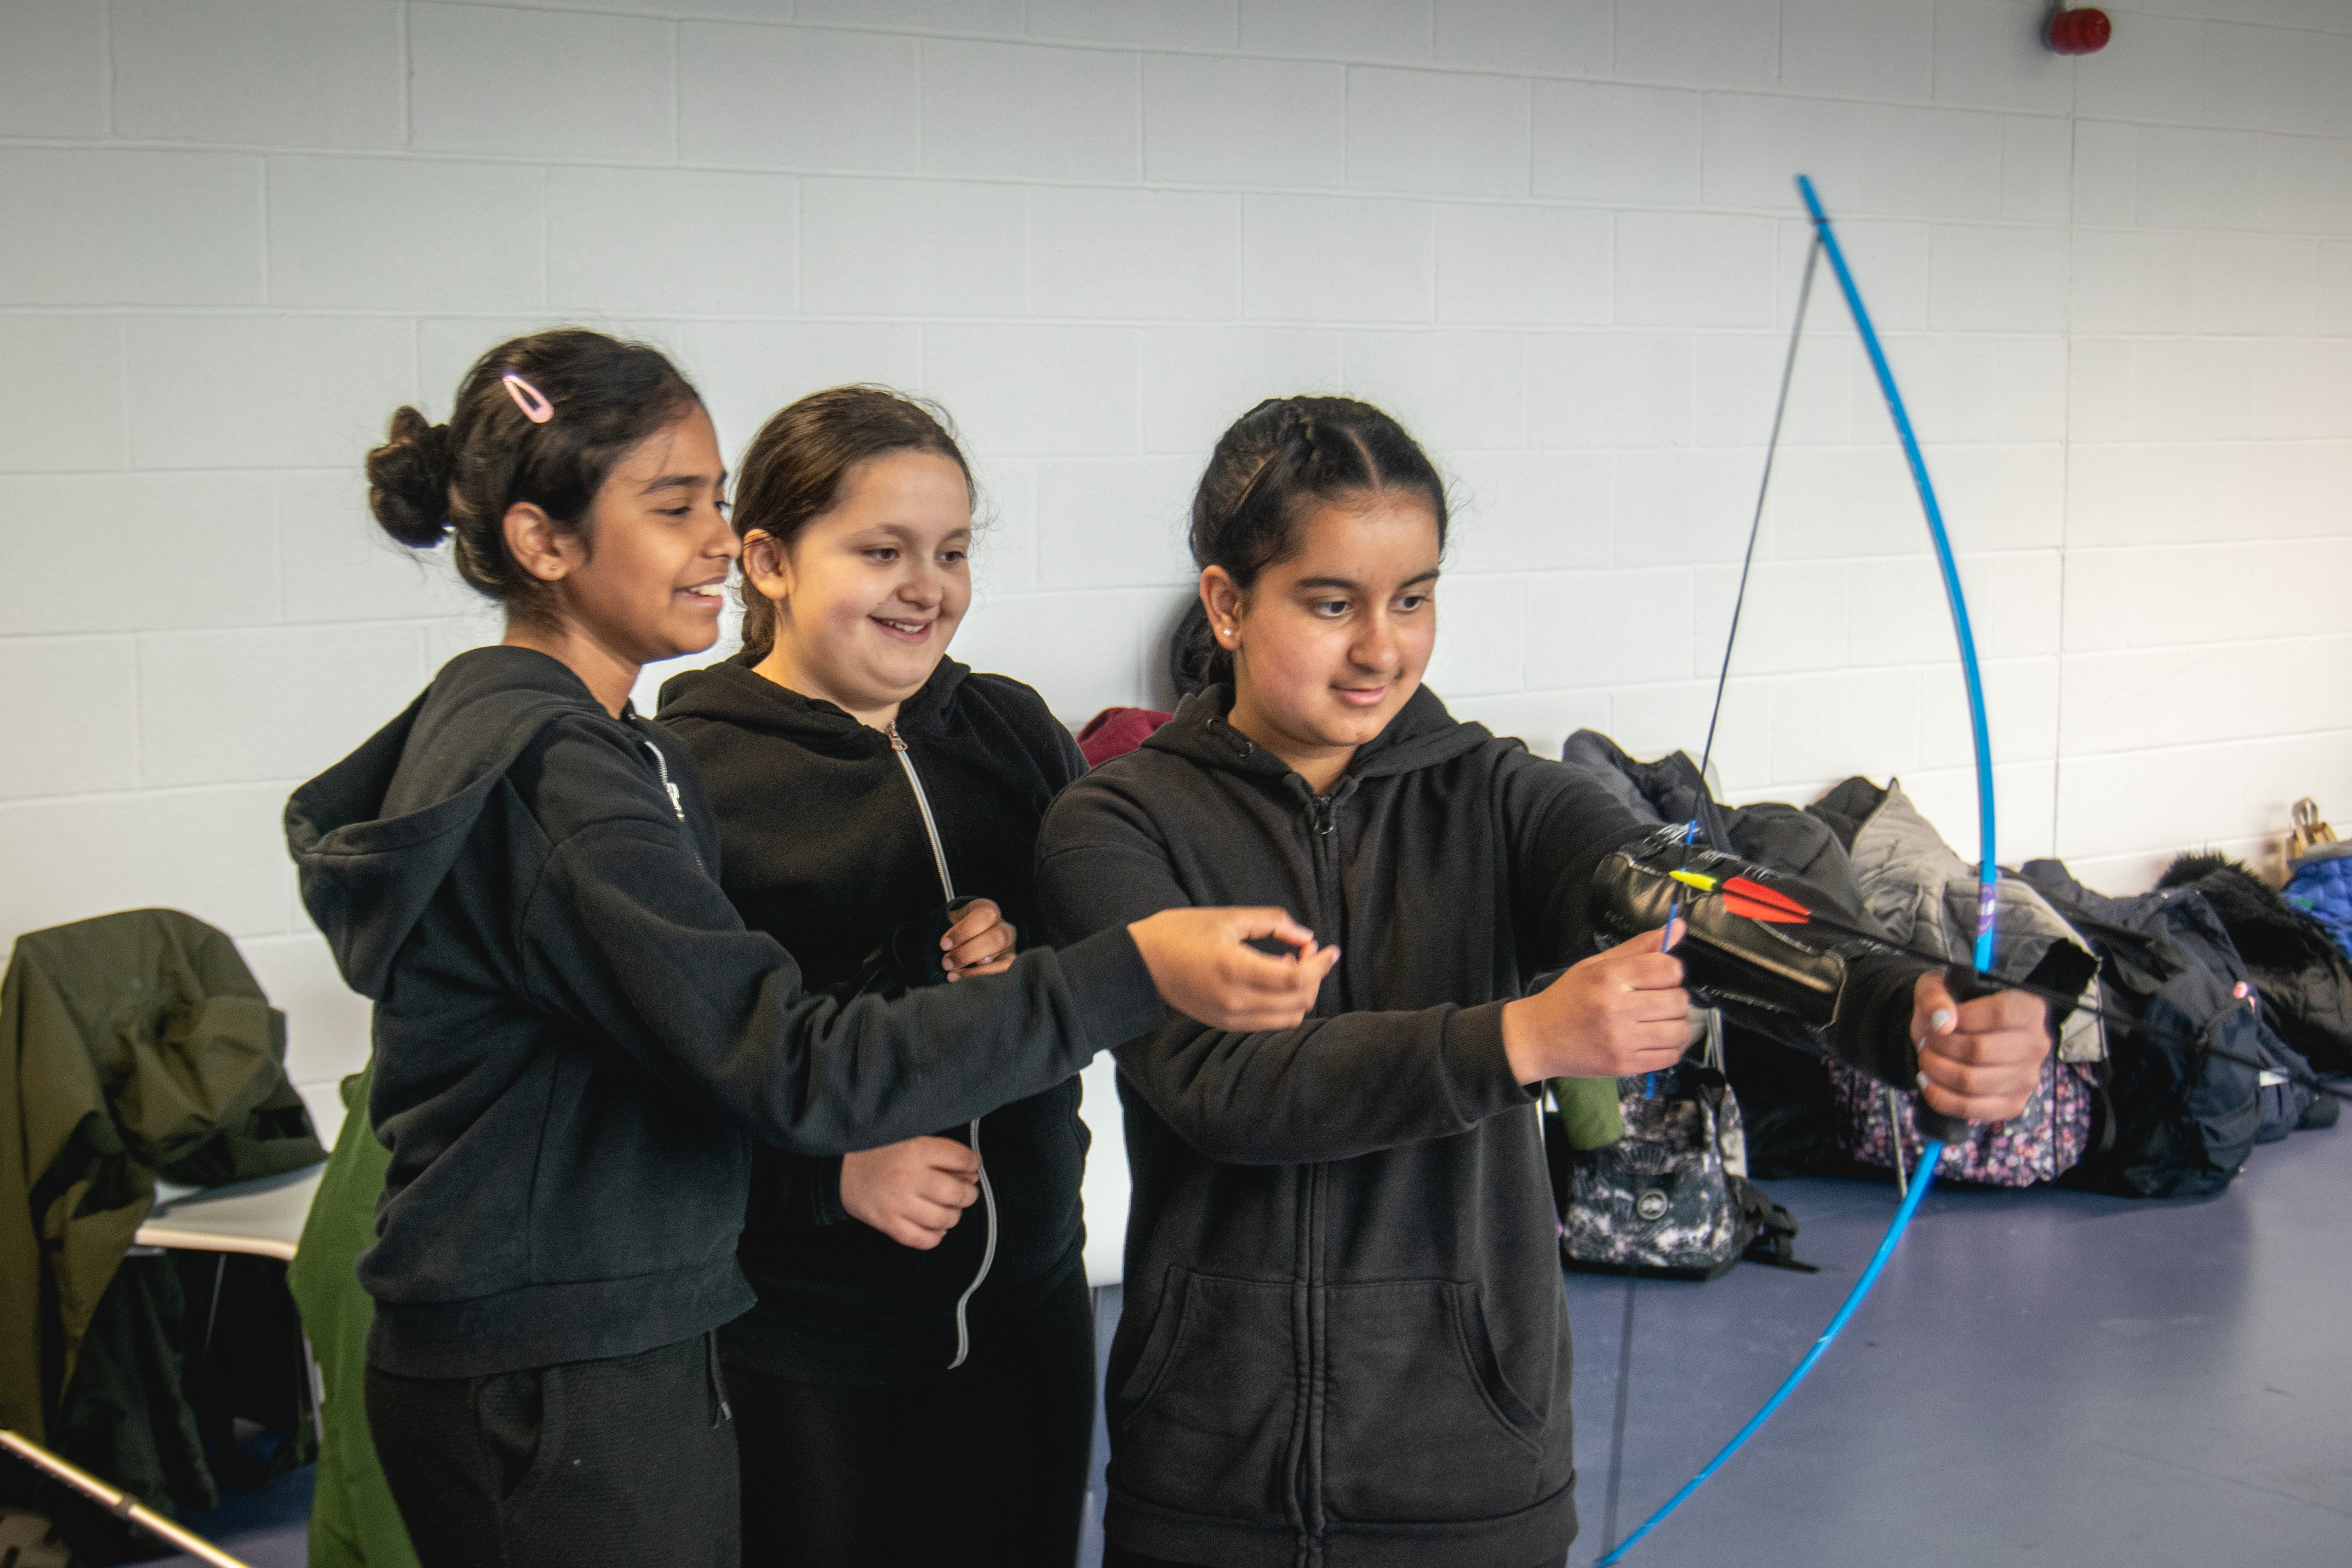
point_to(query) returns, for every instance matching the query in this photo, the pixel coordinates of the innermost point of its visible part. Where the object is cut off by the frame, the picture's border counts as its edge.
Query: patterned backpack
(2041, 1143)
(1672, 1199)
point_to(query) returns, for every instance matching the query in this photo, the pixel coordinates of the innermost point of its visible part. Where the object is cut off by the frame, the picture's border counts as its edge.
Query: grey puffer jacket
(1918, 887)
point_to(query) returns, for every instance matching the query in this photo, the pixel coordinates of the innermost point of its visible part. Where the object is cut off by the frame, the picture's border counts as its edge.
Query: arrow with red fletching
(1758, 902)
(1751, 899)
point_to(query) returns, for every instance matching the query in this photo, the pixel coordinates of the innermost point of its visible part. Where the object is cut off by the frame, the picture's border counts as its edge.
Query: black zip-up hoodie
(1345, 1341)
(826, 850)
(577, 1041)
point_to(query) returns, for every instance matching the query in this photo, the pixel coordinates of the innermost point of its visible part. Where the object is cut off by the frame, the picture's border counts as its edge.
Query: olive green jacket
(355, 1523)
(130, 1046)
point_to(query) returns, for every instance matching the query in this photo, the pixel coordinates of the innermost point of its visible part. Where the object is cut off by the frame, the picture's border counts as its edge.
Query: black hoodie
(577, 1041)
(1345, 1339)
(826, 851)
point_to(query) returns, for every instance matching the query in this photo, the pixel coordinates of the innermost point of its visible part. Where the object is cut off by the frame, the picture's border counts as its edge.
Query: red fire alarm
(2083, 30)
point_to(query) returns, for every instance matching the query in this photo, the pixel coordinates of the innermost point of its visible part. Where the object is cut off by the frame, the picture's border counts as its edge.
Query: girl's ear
(766, 565)
(1224, 601)
(541, 549)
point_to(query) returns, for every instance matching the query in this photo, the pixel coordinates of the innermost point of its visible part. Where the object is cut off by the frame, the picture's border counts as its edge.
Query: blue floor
(2040, 1377)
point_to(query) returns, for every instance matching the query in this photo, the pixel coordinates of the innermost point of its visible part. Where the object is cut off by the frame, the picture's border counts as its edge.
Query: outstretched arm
(1325, 1089)
(624, 932)
(1884, 1011)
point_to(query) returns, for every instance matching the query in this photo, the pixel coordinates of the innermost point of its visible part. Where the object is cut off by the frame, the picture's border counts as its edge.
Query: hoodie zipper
(1323, 848)
(987, 1192)
(923, 805)
(676, 803)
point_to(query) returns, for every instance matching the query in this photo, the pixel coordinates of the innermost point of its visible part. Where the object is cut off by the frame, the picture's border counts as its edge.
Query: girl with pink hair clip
(578, 1043)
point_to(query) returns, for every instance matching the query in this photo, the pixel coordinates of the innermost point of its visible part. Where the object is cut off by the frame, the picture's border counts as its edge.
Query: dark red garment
(1115, 731)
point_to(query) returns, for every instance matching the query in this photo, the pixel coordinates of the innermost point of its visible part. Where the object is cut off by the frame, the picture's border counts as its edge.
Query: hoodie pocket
(1205, 1421)
(1421, 1424)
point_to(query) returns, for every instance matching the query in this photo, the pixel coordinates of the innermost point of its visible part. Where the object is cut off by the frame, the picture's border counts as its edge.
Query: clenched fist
(1204, 968)
(1616, 1015)
(912, 1191)
(1978, 1060)
(979, 943)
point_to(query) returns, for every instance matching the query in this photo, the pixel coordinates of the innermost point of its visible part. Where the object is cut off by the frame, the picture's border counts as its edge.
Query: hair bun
(408, 480)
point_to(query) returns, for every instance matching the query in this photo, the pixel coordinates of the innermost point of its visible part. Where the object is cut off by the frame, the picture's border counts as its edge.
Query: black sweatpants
(622, 1462)
(983, 1464)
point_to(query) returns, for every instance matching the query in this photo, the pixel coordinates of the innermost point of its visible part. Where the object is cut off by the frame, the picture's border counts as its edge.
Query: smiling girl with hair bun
(577, 1041)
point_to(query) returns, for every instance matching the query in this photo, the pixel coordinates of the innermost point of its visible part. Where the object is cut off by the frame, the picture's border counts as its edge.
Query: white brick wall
(1557, 236)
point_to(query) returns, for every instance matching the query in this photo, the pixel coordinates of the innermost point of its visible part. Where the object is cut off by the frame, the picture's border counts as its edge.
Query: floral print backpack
(2041, 1144)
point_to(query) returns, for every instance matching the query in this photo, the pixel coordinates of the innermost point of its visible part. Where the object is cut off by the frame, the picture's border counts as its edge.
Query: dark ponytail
(1269, 471)
(793, 469)
(429, 481)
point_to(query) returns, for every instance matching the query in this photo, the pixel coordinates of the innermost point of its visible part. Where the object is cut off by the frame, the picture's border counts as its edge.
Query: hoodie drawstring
(723, 1412)
(676, 801)
(987, 1192)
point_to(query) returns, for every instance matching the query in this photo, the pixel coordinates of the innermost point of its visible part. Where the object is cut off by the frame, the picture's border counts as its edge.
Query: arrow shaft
(2050, 993)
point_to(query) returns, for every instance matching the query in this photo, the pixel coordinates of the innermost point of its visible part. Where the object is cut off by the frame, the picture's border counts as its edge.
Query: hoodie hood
(732, 692)
(373, 836)
(1421, 735)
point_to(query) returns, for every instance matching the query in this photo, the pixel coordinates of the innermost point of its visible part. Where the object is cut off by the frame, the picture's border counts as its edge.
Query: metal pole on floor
(1895, 1131)
(120, 1503)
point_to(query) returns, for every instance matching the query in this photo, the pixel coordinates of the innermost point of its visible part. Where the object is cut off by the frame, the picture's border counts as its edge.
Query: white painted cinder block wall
(1559, 239)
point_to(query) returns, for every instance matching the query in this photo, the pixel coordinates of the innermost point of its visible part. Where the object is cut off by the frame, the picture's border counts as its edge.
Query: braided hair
(1269, 471)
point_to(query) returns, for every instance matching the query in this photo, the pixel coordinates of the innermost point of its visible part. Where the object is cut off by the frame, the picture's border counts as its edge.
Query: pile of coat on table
(2210, 955)
(133, 1047)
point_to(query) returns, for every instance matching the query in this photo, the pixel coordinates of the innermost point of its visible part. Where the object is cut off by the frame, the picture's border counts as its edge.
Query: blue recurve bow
(1935, 1128)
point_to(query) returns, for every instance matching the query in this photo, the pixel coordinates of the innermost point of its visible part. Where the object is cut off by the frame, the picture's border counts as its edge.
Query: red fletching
(1757, 893)
(1754, 901)
(1753, 911)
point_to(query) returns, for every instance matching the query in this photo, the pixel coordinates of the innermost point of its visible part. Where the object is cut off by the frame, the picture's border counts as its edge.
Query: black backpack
(2305, 978)
(2178, 1119)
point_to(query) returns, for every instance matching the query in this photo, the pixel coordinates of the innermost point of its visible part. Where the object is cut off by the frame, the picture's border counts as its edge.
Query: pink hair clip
(529, 399)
